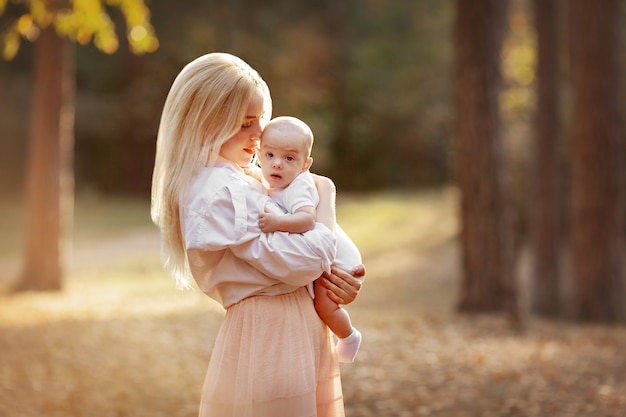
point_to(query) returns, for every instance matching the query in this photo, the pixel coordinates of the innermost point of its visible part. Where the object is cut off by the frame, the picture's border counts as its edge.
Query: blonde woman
(273, 355)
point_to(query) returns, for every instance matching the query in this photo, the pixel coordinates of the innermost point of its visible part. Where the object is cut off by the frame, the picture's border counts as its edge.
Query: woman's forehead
(255, 106)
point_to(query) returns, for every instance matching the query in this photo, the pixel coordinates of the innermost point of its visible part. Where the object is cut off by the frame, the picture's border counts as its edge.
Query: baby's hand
(268, 222)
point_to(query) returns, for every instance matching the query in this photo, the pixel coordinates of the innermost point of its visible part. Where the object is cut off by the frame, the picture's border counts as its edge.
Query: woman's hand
(342, 286)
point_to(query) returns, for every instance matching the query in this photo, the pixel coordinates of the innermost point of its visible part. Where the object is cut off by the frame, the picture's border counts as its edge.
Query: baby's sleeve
(301, 193)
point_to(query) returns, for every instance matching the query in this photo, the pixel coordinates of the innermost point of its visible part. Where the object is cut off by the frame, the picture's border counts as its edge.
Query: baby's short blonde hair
(294, 127)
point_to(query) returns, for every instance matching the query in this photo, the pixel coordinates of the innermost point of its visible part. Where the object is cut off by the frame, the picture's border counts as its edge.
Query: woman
(273, 355)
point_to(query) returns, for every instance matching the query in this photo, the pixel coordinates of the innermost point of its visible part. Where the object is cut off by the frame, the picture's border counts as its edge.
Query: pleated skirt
(273, 357)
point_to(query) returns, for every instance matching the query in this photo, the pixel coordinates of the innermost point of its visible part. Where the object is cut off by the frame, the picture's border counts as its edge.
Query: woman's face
(240, 148)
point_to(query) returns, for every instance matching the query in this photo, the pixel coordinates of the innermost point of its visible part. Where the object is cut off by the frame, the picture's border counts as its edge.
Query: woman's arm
(326, 207)
(343, 287)
(295, 259)
(227, 218)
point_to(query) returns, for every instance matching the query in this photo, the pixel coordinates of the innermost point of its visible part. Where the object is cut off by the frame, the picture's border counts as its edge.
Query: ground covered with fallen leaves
(121, 341)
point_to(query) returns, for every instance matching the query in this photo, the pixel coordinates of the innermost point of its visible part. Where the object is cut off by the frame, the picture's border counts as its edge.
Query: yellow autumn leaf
(24, 23)
(90, 14)
(106, 41)
(135, 12)
(84, 21)
(41, 15)
(64, 22)
(146, 44)
(138, 33)
(83, 36)
(26, 27)
(11, 45)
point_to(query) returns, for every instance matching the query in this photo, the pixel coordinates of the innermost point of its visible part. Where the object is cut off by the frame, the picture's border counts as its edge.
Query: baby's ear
(307, 164)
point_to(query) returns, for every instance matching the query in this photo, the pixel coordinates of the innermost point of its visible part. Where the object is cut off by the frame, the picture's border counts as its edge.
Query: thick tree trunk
(488, 282)
(597, 160)
(545, 205)
(49, 176)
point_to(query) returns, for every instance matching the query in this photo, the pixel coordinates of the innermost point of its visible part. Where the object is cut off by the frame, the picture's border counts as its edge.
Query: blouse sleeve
(229, 220)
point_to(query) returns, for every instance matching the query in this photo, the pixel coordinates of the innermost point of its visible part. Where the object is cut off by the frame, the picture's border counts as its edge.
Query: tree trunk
(488, 283)
(545, 205)
(49, 176)
(341, 146)
(597, 160)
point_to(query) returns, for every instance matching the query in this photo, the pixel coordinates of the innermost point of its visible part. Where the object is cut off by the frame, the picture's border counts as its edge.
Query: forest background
(376, 84)
(387, 88)
(375, 79)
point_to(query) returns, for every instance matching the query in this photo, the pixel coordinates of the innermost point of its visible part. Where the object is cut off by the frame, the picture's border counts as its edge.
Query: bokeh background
(378, 82)
(372, 79)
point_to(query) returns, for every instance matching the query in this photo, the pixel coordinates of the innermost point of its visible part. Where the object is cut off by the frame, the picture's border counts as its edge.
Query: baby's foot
(348, 347)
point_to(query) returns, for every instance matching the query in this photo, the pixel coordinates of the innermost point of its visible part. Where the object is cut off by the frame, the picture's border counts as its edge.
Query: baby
(285, 159)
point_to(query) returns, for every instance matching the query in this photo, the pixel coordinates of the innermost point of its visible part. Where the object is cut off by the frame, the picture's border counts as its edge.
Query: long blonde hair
(204, 108)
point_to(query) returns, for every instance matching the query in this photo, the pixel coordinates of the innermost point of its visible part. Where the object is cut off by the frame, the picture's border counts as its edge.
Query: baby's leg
(338, 320)
(335, 317)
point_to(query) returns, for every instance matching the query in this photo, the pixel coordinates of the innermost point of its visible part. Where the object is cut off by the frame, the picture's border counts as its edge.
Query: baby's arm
(305, 217)
(302, 220)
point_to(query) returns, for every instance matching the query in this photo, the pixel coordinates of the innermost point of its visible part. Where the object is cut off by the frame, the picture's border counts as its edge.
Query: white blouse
(229, 257)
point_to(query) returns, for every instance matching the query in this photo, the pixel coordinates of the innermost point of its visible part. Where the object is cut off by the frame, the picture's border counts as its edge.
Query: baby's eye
(289, 158)
(269, 154)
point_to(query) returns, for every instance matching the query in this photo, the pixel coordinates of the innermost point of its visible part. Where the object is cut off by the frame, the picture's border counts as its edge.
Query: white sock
(348, 347)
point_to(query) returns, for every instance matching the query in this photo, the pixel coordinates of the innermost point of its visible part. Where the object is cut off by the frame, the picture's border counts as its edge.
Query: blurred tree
(545, 202)
(488, 282)
(597, 162)
(390, 93)
(49, 187)
(133, 155)
(361, 73)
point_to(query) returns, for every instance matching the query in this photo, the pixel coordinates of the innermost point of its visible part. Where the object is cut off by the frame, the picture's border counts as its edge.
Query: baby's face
(282, 158)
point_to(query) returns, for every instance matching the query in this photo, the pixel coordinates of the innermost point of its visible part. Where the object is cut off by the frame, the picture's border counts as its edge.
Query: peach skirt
(273, 357)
